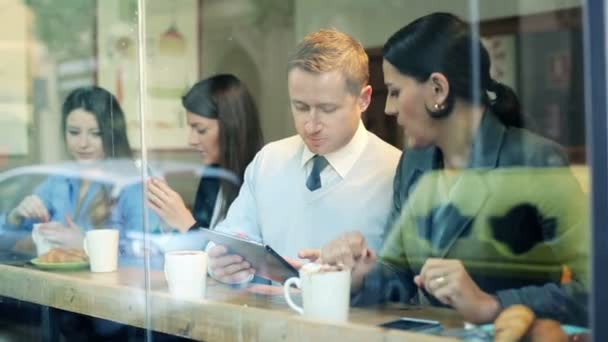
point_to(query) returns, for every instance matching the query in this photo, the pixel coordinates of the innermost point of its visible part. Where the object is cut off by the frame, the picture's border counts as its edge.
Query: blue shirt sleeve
(130, 210)
(46, 191)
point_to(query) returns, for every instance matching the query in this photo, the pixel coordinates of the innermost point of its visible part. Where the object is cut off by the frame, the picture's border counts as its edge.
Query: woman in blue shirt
(94, 129)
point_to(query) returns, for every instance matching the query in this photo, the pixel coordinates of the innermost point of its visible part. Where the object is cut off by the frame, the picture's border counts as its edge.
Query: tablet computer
(266, 261)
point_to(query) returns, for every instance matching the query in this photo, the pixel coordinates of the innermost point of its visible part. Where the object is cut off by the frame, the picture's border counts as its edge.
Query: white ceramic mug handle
(295, 281)
(84, 246)
(166, 273)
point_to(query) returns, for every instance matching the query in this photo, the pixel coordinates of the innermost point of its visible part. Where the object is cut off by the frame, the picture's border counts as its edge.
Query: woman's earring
(438, 107)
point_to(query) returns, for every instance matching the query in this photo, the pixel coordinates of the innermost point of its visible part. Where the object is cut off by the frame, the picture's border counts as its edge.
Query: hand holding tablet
(228, 268)
(235, 260)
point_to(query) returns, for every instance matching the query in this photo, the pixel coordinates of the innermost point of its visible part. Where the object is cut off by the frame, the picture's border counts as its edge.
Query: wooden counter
(226, 314)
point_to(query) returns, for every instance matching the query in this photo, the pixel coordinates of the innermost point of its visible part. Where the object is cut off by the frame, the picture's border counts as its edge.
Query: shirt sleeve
(392, 279)
(128, 214)
(242, 216)
(242, 219)
(385, 283)
(45, 192)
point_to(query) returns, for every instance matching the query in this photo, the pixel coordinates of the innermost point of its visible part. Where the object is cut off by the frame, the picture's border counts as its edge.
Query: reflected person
(303, 191)
(463, 135)
(225, 130)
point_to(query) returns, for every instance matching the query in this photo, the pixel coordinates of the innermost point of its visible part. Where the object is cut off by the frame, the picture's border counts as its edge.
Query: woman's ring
(440, 280)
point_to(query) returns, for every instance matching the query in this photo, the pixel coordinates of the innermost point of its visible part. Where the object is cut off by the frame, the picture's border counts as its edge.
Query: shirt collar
(343, 159)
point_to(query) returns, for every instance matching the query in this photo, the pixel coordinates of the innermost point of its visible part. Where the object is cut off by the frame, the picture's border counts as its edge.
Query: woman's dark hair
(113, 128)
(442, 42)
(225, 98)
(110, 118)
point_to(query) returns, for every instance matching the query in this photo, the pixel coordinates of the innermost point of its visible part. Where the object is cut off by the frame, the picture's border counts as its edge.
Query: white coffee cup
(42, 244)
(101, 245)
(325, 295)
(186, 273)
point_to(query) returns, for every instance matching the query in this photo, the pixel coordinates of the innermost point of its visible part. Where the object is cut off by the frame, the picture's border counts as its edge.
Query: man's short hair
(328, 50)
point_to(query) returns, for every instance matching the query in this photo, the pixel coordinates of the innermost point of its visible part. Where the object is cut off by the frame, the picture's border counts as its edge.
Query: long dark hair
(110, 118)
(442, 42)
(225, 98)
(113, 128)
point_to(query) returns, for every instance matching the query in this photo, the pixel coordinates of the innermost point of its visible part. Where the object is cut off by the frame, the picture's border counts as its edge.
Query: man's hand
(351, 251)
(228, 268)
(311, 254)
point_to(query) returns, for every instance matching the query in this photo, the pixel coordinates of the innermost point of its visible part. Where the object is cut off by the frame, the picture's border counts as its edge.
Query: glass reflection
(483, 212)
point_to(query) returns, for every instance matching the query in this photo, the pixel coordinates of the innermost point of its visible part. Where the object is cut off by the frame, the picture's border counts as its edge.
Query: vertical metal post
(143, 96)
(594, 22)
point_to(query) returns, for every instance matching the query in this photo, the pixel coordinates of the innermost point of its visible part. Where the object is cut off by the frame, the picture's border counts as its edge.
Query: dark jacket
(516, 218)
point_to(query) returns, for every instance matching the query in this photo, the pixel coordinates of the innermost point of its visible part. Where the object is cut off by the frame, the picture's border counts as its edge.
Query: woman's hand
(70, 237)
(31, 207)
(351, 251)
(169, 205)
(450, 283)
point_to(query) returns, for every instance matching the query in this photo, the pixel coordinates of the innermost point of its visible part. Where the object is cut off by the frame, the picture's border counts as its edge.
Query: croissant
(513, 323)
(60, 255)
(546, 330)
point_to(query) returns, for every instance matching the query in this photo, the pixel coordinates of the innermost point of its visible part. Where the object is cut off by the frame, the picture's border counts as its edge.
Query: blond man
(303, 191)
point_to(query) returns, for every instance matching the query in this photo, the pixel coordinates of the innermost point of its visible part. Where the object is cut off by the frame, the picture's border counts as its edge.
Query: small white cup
(101, 245)
(42, 244)
(186, 273)
(325, 295)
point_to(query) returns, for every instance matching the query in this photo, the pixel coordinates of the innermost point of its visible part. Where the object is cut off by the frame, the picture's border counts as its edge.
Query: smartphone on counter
(413, 324)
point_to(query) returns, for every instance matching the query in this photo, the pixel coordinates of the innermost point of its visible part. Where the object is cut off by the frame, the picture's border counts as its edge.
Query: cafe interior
(210, 170)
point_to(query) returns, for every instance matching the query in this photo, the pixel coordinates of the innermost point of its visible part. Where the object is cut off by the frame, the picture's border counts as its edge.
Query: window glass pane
(427, 158)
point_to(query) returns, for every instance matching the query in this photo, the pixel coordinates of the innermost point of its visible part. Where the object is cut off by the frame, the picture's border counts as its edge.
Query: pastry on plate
(547, 330)
(513, 323)
(62, 255)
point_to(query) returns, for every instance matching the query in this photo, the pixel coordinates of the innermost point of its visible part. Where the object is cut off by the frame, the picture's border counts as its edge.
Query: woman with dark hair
(225, 130)
(94, 129)
(480, 221)
(110, 119)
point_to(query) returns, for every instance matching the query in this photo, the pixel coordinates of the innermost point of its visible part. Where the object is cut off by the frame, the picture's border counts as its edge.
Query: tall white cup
(42, 244)
(101, 245)
(186, 273)
(325, 295)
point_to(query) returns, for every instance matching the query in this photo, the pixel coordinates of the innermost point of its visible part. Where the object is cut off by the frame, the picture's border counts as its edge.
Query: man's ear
(365, 98)
(439, 89)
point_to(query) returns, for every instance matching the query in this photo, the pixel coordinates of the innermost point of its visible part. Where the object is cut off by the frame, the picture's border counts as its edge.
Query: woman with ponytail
(484, 210)
(225, 129)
